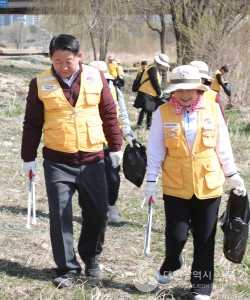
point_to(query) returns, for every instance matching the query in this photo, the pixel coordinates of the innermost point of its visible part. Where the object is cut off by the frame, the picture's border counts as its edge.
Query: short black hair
(143, 62)
(225, 68)
(64, 42)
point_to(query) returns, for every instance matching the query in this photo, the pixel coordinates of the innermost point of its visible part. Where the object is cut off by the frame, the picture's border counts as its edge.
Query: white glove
(237, 184)
(27, 166)
(150, 191)
(116, 158)
(129, 139)
(161, 95)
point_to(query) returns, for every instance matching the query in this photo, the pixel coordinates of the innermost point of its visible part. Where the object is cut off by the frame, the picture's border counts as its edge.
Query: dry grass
(26, 264)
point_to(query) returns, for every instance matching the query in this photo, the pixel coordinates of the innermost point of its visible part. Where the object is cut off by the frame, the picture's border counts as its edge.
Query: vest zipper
(74, 113)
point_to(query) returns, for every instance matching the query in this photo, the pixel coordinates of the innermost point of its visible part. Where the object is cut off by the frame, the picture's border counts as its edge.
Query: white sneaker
(200, 297)
(113, 215)
(165, 278)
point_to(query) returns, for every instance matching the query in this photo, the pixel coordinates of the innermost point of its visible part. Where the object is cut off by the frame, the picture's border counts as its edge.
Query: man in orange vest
(72, 106)
(219, 82)
(143, 66)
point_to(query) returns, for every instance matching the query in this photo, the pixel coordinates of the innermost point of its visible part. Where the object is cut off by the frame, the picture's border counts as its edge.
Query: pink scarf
(196, 105)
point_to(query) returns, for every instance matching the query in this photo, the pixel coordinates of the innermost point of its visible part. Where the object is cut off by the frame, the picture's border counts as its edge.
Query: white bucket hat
(185, 77)
(162, 59)
(102, 66)
(202, 67)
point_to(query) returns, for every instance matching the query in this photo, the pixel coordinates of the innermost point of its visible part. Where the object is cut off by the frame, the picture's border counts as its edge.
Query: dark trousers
(203, 215)
(62, 181)
(113, 179)
(141, 117)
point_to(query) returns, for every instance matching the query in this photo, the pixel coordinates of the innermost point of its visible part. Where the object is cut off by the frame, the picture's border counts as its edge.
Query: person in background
(120, 68)
(143, 66)
(151, 88)
(219, 82)
(190, 142)
(71, 105)
(113, 174)
(115, 71)
(206, 80)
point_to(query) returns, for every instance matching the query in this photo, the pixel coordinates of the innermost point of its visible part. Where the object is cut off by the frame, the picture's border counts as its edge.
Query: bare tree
(97, 18)
(201, 25)
(17, 33)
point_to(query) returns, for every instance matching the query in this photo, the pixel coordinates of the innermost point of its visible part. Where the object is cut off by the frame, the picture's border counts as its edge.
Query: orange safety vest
(147, 87)
(186, 173)
(113, 69)
(210, 95)
(215, 84)
(67, 128)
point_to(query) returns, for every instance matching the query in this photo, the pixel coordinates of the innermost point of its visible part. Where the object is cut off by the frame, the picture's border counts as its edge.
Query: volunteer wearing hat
(190, 141)
(207, 80)
(112, 174)
(115, 71)
(113, 67)
(150, 90)
(120, 68)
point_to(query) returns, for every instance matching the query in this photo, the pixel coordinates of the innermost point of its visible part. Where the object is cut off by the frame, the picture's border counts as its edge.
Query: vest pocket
(172, 176)
(95, 131)
(54, 132)
(213, 174)
(92, 98)
(51, 103)
(172, 137)
(208, 137)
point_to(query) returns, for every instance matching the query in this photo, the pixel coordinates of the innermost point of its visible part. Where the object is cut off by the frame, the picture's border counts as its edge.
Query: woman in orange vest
(150, 89)
(190, 142)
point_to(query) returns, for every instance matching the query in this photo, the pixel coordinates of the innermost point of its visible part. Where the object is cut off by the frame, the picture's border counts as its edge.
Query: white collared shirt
(72, 78)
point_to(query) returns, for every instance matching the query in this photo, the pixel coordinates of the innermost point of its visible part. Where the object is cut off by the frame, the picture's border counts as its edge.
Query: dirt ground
(26, 264)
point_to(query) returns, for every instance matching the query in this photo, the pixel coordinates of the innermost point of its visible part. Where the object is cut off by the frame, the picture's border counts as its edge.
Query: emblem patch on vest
(208, 123)
(90, 78)
(171, 129)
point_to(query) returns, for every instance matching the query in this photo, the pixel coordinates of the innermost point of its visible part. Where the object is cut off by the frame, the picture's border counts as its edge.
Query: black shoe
(65, 280)
(92, 267)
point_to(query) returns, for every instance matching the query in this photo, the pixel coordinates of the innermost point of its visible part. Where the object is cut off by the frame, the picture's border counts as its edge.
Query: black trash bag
(119, 82)
(235, 225)
(227, 88)
(135, 163)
